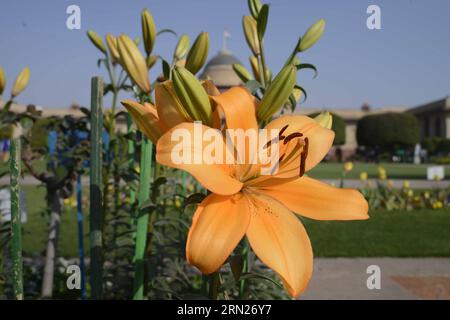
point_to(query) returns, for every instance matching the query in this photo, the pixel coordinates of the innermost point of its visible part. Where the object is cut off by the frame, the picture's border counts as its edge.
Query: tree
(338, 127)
(388, 130)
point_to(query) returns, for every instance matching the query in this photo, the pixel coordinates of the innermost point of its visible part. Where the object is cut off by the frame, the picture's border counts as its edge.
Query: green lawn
(36, 229)
(394, 170)
(399, 234)
(389, 234)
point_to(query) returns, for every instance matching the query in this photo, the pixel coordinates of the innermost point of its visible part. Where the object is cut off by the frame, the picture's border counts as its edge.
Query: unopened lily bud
(278, 92)
(151, 60)
(148, 30)
(2, 80)
(192, 95)
(170, 111)
(312, 35)
(182, 47)
(21, 82)
(96, 40)
(254, 6)
(196, 57)
(324, 119)
(251, 33)
(133, 62)
(255, 68)
(146, 118)
(111, 42)
(242, 73)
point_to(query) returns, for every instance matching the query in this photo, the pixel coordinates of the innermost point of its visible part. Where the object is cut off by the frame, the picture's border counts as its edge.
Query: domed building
(220, 70)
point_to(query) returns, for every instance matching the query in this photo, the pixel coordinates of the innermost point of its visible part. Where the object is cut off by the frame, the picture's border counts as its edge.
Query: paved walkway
(415, 184)
(401, 278)
(397, 183)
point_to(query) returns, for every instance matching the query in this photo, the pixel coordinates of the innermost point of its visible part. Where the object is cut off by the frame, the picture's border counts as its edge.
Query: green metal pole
(142, 219)
(96, 200)
(16, 228)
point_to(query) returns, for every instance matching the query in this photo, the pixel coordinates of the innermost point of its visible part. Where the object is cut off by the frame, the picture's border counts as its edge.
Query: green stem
(96, 200)
(214, 281)
(245, 268)
(142, 219)
(16, 231)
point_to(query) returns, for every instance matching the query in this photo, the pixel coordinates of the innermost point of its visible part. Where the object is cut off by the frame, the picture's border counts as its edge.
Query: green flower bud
(325, 119)
(182, 47)
(151, 60)
(148, 31)
(312, 35)
(192, 95)
(96, 40)
(133, 62)
(21, 82)
(251, 33)
(254, 6)
(255, 67)
(111, 42)
(2, 80)
(196, 57)
(278, 92)
(242, 73)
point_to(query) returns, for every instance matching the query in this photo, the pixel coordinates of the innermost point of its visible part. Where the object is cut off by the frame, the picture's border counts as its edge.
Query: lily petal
(238, 106)
(218, 225)
(320, 201)
(279, 239)
(182, 147)
(320, 141)
(146, 119)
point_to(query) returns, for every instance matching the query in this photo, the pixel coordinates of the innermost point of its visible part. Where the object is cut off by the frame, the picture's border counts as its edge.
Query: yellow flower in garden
(243, 202)
(382, 175)
(410, 193)
(348, 166)
(426, 195)
(438, 205)
(406, 184)
(437, 178)
(363, 176)
(390, 184)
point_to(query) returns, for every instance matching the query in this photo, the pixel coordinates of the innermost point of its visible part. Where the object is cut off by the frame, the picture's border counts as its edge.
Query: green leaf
(307, 66)
(237, 266)
(166, 69)
(194, 199)
(305, 95)
(160, 32)
(250, 275)
(261, 23)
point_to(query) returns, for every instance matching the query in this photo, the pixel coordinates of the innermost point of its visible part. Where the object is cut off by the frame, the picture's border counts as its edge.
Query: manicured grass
(420, 233)
(394, 170)
(35, 230)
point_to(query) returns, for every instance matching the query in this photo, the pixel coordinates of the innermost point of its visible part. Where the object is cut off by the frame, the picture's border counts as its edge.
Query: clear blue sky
(405, 63)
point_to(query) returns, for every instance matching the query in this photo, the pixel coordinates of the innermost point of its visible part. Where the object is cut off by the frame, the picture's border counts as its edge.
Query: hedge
(388, 130)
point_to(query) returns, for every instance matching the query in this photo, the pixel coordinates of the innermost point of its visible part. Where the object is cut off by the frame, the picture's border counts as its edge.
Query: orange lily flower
(244, 203)
(152, 120)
